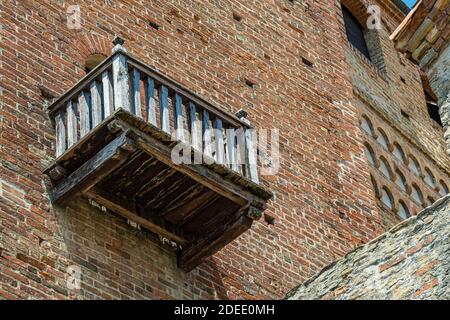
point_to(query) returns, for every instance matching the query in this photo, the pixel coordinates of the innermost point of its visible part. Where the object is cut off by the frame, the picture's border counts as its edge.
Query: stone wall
(410, 261)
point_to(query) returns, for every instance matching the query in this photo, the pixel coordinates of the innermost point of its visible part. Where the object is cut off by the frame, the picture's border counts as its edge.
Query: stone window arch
(366, 41)
(403, 210)
(400, 180)
(429, 178)
(385, 168)
(398, 152)
(414, 166)
(443, 189)
(382, 139)
(386, 198)
(366, 125)
(374, 186)
(416, 194)
(370, 154)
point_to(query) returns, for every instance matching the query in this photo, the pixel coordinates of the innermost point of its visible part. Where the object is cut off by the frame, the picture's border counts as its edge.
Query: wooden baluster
(60, 134)
(164, 108)
(250, 149)
(150, 100)
(240, 134)
(178, 116)
(218, 138)
(96, 103)
(206, 134)
(108, 103)
(231, 149)
(120, 81)
(83, 108)
(193, 126)
(136, 92)
(72, 129)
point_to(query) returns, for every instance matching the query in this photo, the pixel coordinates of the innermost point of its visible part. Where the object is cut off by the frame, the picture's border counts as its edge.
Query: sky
(409, 3)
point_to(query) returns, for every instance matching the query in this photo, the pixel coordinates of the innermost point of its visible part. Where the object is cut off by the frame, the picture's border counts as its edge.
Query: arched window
(366, 125)
(369, 154)
(430, 200)
(400, 180)
(384, 168)
(403, 211)
(443, 189)
(416, 194)
(382, 139)
(386, 198)
(429, 178)
(355, 32)
(413, 166)
(398, 152)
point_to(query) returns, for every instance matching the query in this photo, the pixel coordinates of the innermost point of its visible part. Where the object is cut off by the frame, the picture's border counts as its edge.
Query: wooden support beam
(95, 169)
(183, 212)
(192, 256)
(126, 209)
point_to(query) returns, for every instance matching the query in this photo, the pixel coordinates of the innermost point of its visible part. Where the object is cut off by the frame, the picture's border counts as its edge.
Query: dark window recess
(355, 32)
(433, 109)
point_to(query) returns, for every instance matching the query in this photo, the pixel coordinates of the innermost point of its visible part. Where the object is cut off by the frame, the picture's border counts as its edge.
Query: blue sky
(409, 3)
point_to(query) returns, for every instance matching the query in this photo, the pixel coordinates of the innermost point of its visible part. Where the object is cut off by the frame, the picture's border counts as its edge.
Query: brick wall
(389, 93)
(324, 204)
(411, 261)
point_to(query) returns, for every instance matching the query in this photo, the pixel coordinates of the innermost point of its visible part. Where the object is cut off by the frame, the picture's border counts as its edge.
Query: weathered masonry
(114, 147)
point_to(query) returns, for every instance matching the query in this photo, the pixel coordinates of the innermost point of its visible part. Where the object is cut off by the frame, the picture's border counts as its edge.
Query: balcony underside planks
(125, 165)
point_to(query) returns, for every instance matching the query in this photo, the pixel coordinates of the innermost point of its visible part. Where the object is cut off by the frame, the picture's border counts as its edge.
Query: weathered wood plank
(120, 81)
(206, 134)
(72, 128)
(95, 169)
(136, 92)
(198, 173)
(108, 95)
(183, 212)
(250, 149)
(242, 154)
(218, 140)
(164, 108)
(196, 142)
(96, 103)
(150, 101)
(124, 208)
(231, 149)
(178, 116)
(60, 134)
(83, 109)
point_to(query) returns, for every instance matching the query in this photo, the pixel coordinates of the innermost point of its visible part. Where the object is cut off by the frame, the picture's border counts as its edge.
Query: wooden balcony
(114, 146)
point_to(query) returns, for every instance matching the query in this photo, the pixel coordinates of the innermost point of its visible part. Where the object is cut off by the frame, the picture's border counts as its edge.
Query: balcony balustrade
(117, 132)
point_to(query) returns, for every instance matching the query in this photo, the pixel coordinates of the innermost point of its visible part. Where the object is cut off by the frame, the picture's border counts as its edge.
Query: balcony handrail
(122, 81)
(172, 84)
